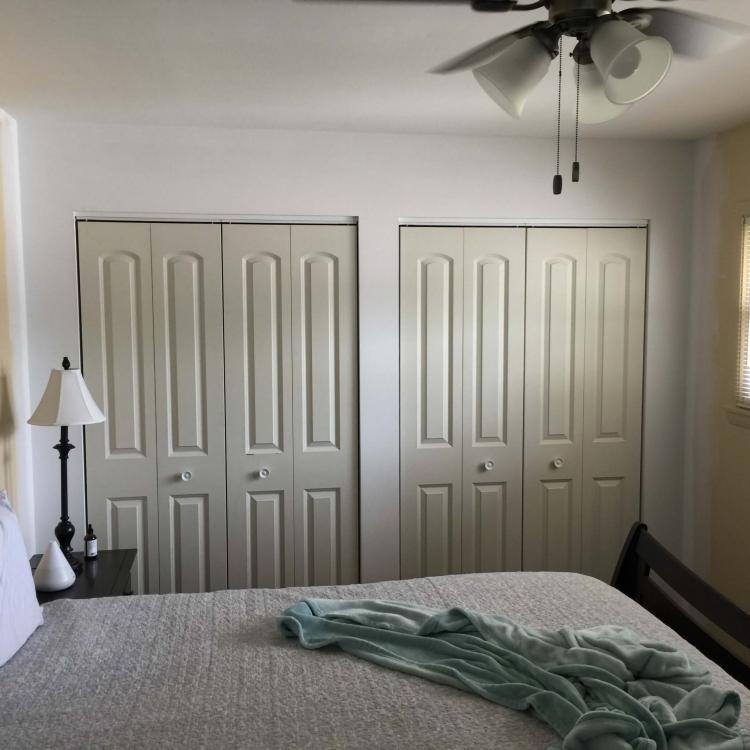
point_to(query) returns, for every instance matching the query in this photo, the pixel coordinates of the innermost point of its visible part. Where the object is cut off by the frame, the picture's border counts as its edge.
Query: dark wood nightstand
(108, 575)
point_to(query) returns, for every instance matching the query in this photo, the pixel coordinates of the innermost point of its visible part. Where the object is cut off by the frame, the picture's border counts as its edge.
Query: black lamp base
(64, 532)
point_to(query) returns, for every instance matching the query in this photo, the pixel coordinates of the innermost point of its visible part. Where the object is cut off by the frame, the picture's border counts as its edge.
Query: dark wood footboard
(641, 556)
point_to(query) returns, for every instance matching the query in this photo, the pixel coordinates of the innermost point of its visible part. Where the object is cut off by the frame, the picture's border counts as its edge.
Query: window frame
(742, 384)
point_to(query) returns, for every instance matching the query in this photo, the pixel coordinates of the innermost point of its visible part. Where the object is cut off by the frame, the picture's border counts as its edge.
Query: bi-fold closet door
(462, 312)
(524, 349)
(291, 372)
(252, 484)
(151, 325)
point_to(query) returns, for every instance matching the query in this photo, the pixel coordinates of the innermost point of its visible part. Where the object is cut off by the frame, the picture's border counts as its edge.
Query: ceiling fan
(622, 53)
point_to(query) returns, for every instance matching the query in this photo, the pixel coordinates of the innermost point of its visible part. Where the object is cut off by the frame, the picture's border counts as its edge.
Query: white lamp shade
(631, 64)
(66, 402)
(510, 77)
(595, 106)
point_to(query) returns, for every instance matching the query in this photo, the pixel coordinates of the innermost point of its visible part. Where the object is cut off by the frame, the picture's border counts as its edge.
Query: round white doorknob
(264, 473)
(489, 465)
(186, 476)
(558, 463)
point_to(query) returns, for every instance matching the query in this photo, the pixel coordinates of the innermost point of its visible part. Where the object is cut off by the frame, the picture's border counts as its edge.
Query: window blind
(743, 363)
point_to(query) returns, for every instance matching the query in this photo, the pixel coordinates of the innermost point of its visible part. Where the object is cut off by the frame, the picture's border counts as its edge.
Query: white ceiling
(297, 64)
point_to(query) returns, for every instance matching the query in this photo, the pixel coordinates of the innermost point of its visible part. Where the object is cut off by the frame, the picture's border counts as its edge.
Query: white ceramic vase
(53, 572)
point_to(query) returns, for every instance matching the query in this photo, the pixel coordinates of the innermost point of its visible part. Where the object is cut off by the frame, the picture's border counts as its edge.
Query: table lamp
(66, 402)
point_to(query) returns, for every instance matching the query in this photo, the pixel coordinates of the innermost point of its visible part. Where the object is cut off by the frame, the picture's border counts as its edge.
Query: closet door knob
(558, 463)
(264, 473)
(489, 465)
(186, 476)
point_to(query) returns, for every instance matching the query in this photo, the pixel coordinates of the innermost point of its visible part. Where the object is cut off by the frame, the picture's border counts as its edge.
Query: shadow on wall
(7, 430)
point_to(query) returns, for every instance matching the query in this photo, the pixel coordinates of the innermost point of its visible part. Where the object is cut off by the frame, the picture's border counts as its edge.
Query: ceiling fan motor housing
(571, 11)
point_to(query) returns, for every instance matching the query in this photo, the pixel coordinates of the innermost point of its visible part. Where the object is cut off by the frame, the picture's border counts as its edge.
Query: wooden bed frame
(643, 555)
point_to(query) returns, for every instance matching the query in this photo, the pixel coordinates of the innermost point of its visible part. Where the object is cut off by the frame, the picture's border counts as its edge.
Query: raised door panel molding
(131, 523)
(325, 398)
(607, 522)
(263, 329)
(267, 552)
(189, 374)
(258, 377)
(189, 544)
(612, 348)
(321, 552)
(435, 363)
(320, 345)
(490, 363)
(439, 530)
(557, 518)
(431, 399)
(559, 334)
(123, 366)
(185, 340)
(114, 260)
(487, 536)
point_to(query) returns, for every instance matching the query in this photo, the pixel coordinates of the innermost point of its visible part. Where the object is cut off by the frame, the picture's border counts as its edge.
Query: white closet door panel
(494, 269)
(118, 363)
(555, 338)
(258, 376)
(324, 362)
(190, 406)
(615, 310)
(431, 400)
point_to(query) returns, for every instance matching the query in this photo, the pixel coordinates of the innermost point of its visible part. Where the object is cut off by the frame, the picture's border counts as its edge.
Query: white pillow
(20, 613)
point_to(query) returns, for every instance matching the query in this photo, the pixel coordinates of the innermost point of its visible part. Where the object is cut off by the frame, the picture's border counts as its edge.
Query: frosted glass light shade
(510, 77)
(631, 64)
(66, 401)
(595, 104)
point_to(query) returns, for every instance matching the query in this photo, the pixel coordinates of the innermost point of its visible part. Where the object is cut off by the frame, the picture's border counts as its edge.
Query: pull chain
(557, 183)
(576, 163)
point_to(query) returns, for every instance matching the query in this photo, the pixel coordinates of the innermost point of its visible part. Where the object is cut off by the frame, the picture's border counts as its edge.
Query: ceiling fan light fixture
(630, 63)
(595, 105)
(511, 77)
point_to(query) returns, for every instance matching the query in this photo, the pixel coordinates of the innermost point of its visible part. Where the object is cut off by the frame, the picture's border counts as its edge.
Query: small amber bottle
(89, 541)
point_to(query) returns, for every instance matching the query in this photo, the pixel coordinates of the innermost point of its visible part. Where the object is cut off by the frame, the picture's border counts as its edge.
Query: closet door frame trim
(458, 223)
(292, 220)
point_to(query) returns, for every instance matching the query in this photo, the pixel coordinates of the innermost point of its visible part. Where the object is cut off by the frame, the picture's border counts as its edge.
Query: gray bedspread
(212, 670)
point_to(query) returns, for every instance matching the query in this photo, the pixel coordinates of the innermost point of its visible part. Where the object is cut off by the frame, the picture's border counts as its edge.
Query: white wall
(379, 178)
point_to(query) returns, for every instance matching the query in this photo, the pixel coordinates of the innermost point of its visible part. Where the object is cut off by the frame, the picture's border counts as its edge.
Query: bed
(200, 670)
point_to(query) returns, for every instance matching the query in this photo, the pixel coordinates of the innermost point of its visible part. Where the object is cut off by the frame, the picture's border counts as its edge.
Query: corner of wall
(701, 318)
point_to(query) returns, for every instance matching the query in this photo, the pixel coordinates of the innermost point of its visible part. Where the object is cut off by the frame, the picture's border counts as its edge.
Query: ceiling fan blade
(387, 2)
(491, 6)
(690, 34)
(484, 52)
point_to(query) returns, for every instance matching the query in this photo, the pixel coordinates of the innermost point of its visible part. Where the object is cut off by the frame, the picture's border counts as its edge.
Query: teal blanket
(599, 689)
